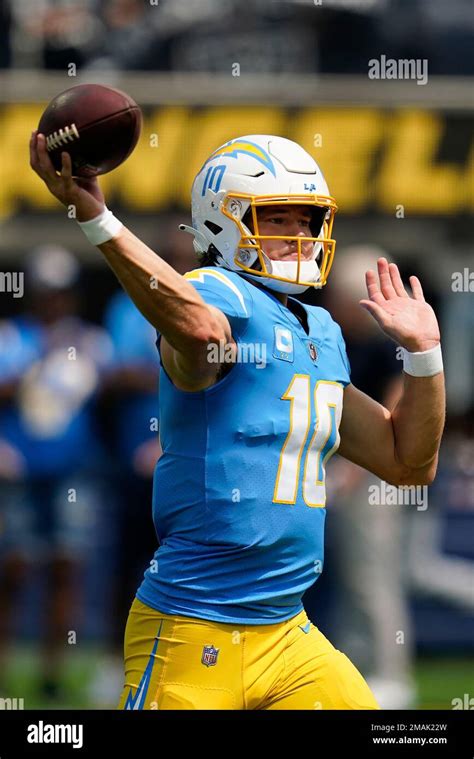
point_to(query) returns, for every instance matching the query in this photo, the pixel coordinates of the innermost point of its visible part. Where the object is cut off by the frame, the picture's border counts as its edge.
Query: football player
(255, 396)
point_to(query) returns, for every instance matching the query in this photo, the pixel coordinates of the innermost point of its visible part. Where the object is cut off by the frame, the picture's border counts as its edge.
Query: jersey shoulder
(224, 289)
(324, 319)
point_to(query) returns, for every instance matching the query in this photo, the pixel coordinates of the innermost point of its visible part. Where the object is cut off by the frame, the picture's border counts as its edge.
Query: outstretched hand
(410, 321)
(84, 195)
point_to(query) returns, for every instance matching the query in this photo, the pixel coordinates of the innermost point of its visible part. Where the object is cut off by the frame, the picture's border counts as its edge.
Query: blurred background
(78, 365)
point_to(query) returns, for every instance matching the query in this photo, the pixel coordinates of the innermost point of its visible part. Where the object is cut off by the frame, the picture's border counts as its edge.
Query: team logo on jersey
(209, 656)
(283, 343)
(313, 351)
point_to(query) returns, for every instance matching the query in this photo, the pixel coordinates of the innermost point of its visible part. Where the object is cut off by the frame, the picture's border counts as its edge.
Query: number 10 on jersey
(327, 398)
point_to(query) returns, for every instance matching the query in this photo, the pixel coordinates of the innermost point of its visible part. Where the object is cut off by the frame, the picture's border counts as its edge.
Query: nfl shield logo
(209, 656)
(312, 351)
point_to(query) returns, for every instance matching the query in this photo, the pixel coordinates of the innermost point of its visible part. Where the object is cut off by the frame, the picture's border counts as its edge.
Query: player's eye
(276, 219)
(303, 222)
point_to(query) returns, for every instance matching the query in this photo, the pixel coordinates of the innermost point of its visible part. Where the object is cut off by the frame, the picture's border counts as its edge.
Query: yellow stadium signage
(373, 158)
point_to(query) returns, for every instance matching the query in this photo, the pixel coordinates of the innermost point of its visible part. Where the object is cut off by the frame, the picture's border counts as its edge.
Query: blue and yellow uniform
(239, 509)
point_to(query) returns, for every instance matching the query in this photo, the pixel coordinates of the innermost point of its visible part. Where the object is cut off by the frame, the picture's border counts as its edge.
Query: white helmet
(250, 172)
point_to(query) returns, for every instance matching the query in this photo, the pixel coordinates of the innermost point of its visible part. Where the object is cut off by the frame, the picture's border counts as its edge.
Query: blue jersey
(239, 493)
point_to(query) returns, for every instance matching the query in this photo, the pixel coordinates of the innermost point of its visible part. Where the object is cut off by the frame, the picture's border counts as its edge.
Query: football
(98, 126)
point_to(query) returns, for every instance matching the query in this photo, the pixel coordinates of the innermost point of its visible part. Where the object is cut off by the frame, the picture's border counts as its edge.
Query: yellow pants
(174, 662)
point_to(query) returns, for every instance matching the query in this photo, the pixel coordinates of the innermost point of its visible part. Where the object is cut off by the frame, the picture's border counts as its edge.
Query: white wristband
(423, 363)
(102, 228)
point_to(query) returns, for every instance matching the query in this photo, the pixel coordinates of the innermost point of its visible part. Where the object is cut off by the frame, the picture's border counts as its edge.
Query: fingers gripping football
(84, 195)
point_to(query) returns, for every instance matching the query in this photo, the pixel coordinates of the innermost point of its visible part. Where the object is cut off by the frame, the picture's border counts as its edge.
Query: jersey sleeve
(227, 292)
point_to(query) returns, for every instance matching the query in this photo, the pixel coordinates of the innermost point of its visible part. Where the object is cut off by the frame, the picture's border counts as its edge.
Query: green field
(439, 680)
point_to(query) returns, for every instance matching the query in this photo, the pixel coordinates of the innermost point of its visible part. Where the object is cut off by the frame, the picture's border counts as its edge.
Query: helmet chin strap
(309, 272)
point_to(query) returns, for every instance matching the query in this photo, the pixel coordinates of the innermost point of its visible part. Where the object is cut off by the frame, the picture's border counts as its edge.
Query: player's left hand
(410, 321)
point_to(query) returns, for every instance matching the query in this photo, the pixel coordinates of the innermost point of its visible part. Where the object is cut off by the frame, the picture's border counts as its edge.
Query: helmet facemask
(283, 276)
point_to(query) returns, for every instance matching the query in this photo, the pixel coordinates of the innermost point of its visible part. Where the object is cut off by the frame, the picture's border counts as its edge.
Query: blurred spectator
(437, 569)
(206, 35)
(266, 38)
(447, 40)
(131, 40)
(457, 323)
(52, 34)
(51, 366)
(211, 35)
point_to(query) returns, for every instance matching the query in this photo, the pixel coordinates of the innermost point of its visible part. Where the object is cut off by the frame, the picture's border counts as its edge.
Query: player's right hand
(82, 195)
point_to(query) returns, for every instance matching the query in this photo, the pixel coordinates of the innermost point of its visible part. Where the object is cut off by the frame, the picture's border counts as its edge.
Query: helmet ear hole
(214, 228)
